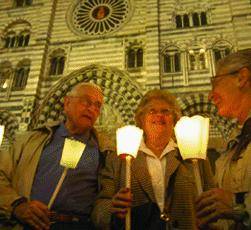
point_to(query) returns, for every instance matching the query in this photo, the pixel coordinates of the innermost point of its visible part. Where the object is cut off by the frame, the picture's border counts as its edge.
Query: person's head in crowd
(82, 106)
(231, 86)
(157, 113)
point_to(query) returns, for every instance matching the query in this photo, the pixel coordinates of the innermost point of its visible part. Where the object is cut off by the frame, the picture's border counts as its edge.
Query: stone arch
(10, 123)
(171, 58)
(222, 42)
(24, 62)
(199, 104)
(57, 51)
(21, 74)
(221, 48)
(120, 93)
(134, 54)
(19, 22)
(16, 33)
(167, 46)
(57, 58)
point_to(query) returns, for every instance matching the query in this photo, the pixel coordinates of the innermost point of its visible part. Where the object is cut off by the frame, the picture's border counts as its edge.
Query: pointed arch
(17, 34)
(171, 59)
(57, 62)
(221, 48)
(134, 55)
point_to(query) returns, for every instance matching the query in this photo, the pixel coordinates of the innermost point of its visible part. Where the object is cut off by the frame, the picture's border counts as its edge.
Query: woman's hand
(121, 201)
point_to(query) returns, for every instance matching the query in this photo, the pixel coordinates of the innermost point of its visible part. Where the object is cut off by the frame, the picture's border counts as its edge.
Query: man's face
(83, 109)
(225, 92)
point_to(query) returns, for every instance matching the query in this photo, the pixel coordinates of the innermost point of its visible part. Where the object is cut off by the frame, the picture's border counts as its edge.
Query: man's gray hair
(236, 61)
(75, 89)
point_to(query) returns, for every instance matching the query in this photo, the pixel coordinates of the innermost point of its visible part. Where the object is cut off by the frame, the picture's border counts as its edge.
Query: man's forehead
(89, 91)
(87, 88)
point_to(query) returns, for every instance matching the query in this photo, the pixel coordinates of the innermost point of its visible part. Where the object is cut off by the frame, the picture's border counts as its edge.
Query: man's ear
(244, 77)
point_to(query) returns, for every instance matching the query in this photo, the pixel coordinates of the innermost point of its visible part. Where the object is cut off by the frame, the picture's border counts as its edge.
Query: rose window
(99, 17)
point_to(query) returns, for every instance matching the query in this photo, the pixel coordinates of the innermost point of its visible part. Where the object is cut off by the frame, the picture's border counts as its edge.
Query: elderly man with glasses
(231, 93)
(30, 170)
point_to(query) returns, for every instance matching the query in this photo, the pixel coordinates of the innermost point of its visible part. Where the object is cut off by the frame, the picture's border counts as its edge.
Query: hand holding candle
(128, 141)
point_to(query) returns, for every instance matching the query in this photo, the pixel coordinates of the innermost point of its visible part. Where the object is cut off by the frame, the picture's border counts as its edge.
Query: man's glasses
(214, 78)
(88, 102)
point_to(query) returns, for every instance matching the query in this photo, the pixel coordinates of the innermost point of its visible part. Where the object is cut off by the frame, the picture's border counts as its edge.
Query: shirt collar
(90, 138)
(169, 147)
(62, 131)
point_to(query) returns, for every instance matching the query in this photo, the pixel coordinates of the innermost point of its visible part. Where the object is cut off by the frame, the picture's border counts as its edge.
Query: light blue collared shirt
(79, 188)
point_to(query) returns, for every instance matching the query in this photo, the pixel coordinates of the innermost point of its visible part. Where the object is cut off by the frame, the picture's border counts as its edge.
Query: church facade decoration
(98, 17)
(127, 47)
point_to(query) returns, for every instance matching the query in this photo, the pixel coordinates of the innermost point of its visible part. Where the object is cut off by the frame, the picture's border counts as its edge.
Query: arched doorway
(120, 92)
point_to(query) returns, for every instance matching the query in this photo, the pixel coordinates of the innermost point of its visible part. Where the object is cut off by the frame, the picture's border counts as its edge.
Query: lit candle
(192, 139)
(71, 155)
(128, 142)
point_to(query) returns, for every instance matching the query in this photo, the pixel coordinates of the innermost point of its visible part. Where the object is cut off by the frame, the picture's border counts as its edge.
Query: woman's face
(158, 118)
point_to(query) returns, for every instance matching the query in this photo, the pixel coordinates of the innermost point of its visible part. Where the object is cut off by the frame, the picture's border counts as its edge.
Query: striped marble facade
(149, 24)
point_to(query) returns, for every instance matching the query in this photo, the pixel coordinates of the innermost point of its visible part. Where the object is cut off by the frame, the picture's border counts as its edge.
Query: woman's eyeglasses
(162, 111)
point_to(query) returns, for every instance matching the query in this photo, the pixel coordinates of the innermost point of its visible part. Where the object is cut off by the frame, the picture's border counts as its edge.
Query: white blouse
(157, 168)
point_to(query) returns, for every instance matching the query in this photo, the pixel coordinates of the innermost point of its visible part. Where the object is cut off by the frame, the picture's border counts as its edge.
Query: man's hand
(33, 213)
(121, 201)
(213, 205)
